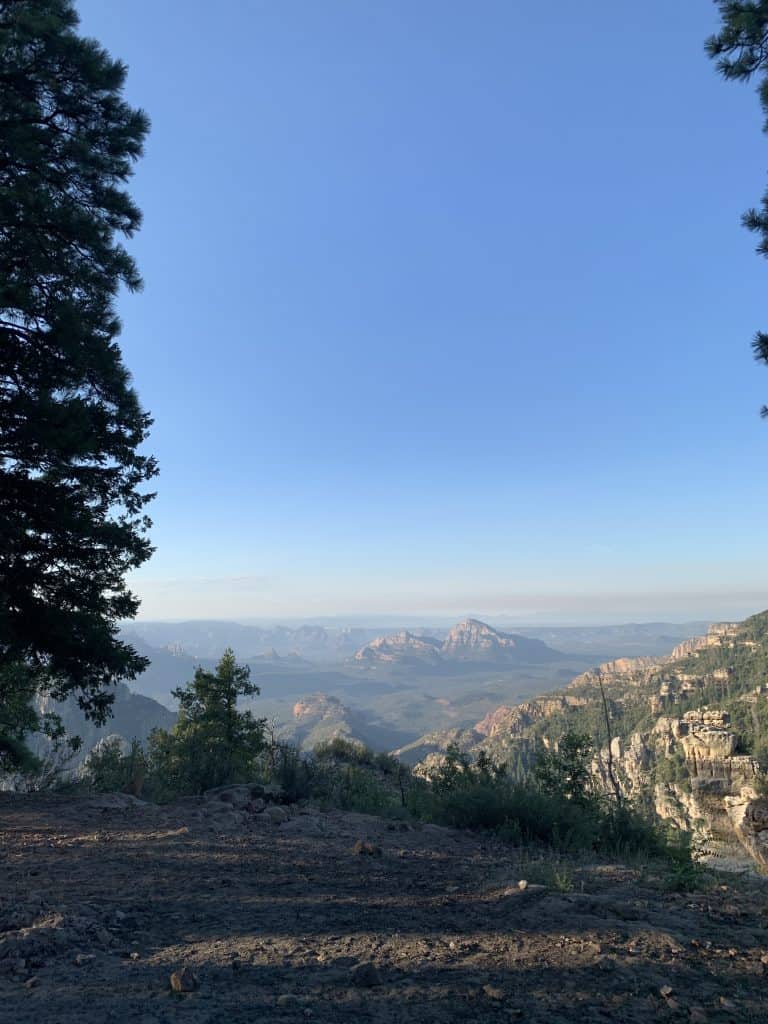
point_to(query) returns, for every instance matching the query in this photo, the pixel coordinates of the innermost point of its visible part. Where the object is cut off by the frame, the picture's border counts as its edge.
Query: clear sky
(447, 308)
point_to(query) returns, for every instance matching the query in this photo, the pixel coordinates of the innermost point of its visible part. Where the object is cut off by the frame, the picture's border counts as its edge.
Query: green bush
(565, 770)
(344, 751)
(685, 872)
(362, 789)
(282, 764)
(673, 770)
(558, 807)
(108, 770)
(516, 811)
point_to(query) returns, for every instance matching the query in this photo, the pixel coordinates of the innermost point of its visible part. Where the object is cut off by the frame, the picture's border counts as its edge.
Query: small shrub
(344, 751)
(553, 871)
(110, 769)
(566, 770)
(360, 789)
(685, 871)
(480, 796)
(299, 777)
(673, 770)
(388, 764)
(628, 832)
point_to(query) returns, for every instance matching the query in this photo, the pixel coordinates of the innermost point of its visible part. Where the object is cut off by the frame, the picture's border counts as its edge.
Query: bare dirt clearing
(279, 920)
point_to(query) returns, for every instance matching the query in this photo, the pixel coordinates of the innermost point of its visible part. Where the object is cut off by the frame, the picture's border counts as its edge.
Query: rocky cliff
(692, 773)
(689, 735)
(320, 717)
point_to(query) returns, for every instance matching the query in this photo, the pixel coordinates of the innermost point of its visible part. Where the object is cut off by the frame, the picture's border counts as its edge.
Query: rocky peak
(688, 647)
(473, 635)
(402, 646)
(317, 706)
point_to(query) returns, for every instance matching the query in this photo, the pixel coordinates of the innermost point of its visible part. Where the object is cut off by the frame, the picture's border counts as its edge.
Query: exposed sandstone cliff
(684, 725)
(690, 771)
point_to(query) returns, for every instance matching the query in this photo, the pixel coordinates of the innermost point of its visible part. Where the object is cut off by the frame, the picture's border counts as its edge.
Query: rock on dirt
(183, 980)
(362, 848)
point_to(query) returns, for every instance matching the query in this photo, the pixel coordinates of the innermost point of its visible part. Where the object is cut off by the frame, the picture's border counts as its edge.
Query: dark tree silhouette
(740, 49)
(72, 472)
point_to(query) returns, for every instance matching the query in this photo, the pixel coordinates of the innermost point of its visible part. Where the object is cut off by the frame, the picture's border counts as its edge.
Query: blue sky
(447, 308)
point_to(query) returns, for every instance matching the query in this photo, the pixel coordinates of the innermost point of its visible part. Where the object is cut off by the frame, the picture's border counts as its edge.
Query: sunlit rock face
(317, 706)
(514, 721)
(748, 814)
(473, 636)
(468, 641)
(687, 764)
(688, 647)
(472, 640)
(706, 745)
(717, 796)
(400, 647)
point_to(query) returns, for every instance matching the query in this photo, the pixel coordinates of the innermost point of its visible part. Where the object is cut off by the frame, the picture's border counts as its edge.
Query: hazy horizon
(561, 614)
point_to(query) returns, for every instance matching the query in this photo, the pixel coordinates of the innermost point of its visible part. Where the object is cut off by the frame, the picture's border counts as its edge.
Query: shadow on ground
(98, 905)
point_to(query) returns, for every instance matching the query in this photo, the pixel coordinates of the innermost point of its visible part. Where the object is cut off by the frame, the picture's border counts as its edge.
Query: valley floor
(101, 899)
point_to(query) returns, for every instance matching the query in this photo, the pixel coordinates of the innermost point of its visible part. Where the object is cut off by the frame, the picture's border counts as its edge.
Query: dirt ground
(101, 899)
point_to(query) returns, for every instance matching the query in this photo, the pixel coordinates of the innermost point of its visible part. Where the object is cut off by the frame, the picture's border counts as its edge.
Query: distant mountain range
(199, 640)
(470, 641)
(203, 639)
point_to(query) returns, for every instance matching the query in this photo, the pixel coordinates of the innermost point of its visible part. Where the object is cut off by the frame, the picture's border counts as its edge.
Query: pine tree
(740, 49)
(565, 771)
(72, 474)
(213, 743)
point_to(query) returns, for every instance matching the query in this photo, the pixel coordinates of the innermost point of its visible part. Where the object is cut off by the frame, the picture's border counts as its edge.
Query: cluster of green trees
(673, 770)
(731, 674)
(625, 716)
(213, 742)
(728, 673)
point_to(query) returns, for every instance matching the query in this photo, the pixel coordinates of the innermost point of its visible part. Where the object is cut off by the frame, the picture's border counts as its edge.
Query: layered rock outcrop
(690, 770)
(680, 749)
